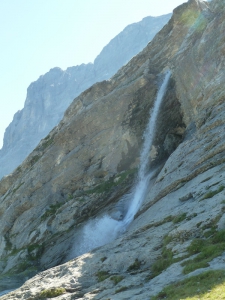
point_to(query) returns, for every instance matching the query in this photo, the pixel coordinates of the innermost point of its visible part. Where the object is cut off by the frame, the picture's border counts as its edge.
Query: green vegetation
(103, 259)
(47, 142)
(165, 260)
(207, 249)
(210, 194)
(179, 218)
(52, 293)
(34, 159)
(165, 220)
(191, 216)
(116, 279)
(14, 251)
(174, 219)
(135, 266)
(162, 263)
(109, 184)
(209, 233)
(8, 246)
(27, 272)
(51, 211)
(208, 285)
(29, 248)
(23, 266)
(102, 275)
(123, 288)
(16, 188)
(30, 263)
(35, 251)
(167, 239)
(18, 169)
(221, 188)
(70, 197)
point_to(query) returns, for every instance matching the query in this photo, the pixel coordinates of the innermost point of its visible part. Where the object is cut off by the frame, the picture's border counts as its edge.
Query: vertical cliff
(175, 246)
(49, 96)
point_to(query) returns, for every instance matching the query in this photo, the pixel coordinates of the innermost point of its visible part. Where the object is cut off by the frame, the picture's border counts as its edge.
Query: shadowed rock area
(90, 160)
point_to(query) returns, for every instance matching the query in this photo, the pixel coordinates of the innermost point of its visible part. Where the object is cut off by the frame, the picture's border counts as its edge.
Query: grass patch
(34, 159)
(52, 293)
(103, 259)
(102, 275)
(109, 184)
(174, 219)
(16, 188)
(221, 188)
(8, 246)
(188, 218)
(116, 279)
(135, 266)
(35, 251)
(165, 220)
(179, 218)
(69, 197)
(165, 260)
(28, 272)
(123, 288)
(15, 251)
(209, 233)
(210, 194)
(51, 211)
(47, 142)
(23, 266)
(208, 285)
(207, 249)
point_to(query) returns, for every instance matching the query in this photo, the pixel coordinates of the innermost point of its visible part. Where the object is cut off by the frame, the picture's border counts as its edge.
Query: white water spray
(143, 178)
(101, 231)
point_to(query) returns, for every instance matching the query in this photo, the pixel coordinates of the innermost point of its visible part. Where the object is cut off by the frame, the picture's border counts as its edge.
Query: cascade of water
(143, 178)
(101, 231)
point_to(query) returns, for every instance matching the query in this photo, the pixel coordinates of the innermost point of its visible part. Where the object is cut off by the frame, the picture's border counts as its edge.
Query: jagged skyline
(34, 39)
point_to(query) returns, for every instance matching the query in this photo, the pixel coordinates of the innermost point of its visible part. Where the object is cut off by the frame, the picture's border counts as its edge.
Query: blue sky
(39, 35)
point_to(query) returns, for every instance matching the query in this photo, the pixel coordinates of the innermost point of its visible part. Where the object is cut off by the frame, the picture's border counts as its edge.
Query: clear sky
(41, 34)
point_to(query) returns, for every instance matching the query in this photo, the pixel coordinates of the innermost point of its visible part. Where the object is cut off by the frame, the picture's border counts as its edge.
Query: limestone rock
(82, 169)
(49, 96)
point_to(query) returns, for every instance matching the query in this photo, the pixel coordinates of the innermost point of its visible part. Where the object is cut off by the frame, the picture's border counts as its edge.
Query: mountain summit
(49, 96)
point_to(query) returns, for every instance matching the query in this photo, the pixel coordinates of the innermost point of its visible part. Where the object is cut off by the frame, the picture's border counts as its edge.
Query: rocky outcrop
(86, 163)
(49, 96)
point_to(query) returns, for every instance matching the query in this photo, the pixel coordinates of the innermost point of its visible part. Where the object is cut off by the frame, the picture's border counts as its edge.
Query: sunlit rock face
(85, 166)
(49, 96)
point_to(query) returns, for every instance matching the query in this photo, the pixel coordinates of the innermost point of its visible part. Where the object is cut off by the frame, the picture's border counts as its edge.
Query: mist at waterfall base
(100, 231)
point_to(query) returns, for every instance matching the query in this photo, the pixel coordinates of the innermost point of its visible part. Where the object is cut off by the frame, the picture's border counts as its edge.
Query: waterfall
(143, 178)
(103, 230)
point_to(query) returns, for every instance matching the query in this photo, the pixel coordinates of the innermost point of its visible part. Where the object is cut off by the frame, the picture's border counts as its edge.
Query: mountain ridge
(49, 96)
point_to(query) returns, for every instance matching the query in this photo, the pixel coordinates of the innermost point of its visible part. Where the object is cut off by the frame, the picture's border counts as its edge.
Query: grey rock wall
(80, 170)
(49, 96)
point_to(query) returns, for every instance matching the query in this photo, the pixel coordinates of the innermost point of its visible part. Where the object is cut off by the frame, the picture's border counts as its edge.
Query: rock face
(83, 167)
(49, 96)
